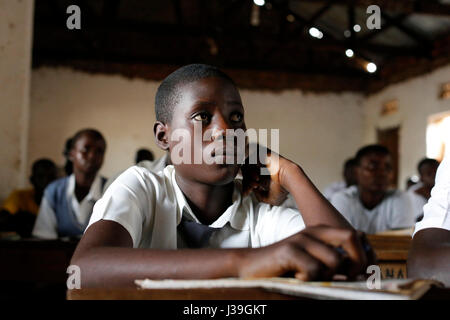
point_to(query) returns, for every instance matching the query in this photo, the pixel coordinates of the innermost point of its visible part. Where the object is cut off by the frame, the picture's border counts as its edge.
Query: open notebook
(404, 289)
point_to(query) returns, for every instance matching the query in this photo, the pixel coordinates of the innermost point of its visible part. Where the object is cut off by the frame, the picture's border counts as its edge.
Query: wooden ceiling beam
(431, 7)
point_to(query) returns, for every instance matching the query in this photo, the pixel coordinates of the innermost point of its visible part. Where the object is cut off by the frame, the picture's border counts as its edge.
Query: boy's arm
(106, 258)
(315, 208)
(429, 257)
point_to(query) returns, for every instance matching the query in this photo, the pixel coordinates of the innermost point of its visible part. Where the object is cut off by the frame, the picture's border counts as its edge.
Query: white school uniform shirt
(437, 210)
(394, 212)
(46, 227)
(333, 188)
(417, 200)
(151, 207)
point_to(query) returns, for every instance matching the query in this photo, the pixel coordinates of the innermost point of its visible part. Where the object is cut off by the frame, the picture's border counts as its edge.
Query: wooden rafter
(431, 7)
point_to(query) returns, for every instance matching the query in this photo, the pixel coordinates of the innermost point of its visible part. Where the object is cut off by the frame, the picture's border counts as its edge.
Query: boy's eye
(236, 117)
(202, 117)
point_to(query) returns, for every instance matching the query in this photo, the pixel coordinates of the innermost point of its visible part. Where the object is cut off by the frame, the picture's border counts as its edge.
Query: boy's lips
(228, 155)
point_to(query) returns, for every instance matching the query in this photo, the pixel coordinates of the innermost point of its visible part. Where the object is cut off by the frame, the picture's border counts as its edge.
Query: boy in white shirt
(429, 256)
(195, 221)
(421, 192)
(370, 206)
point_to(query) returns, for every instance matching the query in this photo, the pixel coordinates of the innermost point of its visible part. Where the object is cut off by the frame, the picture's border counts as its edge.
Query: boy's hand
(268, 188)
(316, 253)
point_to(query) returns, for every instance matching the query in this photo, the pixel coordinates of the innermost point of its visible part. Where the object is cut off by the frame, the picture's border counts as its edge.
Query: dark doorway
(390, 139)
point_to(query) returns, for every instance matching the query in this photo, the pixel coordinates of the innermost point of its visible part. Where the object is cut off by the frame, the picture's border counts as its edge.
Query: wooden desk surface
(389, 248)
(392, 253)
(434, 293)
(173, 294)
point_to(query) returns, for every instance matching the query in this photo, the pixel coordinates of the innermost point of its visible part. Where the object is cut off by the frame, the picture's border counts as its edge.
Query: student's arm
(290, 178)
(106, 258)
(429, 257)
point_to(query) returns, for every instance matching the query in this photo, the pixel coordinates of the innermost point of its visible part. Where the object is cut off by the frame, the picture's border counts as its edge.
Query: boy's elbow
(428, 259)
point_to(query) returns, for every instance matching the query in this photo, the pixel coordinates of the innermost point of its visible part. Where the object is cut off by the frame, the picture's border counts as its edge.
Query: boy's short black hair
(426, 161)
(42, 164)
(373, 148)
(350, 163)
(168, 94)
(91, 132)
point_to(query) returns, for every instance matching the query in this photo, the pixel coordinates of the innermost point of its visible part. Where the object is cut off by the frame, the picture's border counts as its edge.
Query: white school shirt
(437, 210)
(150, 206)
(417, 200)
(333, 188)
(394, 212)
(46, 227)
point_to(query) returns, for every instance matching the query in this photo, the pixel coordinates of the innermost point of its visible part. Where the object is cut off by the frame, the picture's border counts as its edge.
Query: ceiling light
(347, 33)
(259, 2)
(357, 28)
(314, 32)
(349, 53)
(371, 67)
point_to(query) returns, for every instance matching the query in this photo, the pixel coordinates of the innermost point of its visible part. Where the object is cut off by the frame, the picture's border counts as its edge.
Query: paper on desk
(390, 289)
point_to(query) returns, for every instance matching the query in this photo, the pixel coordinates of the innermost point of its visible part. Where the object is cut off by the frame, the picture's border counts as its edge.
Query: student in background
(421, 192)
(349, 176)
(147, 224)
(410, 181)
(67, 203)
(20, 209)
(369, 205)
(429, 257)
(143, 154)
(68, 166)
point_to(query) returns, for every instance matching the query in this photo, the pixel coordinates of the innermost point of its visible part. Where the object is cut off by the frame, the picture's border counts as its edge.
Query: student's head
(143, 154)
(203, 95)
(427, 170)
(410, 181)
(87, 151)
(68, 166)
(350, 172)
(374, 170)
(43, 172)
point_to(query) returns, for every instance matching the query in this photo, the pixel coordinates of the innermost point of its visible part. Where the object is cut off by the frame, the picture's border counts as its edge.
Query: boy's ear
(161, 132)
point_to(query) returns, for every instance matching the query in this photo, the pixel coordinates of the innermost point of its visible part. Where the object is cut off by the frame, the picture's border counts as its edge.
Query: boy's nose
(220, 125)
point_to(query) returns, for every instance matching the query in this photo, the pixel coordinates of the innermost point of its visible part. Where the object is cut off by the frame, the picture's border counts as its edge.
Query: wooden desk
(38, 267)
(434, 293)
(392, 253)
(181, 294)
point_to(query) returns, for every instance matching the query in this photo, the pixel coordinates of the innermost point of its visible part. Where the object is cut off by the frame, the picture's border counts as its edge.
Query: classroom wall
(319, 131)
(15, 65)
(418, 99)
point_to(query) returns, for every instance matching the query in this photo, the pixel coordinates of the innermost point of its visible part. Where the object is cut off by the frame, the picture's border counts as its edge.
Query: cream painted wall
(319, 131)
(418, 99)
(16, 23)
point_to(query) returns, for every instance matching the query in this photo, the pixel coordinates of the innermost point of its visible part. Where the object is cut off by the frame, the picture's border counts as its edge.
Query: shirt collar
(95, 192)
(235, 214)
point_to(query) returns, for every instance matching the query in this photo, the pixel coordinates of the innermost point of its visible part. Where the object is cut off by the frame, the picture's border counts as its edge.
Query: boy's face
(428, 174)
(87, 154)
(210, 104)
(375, 172)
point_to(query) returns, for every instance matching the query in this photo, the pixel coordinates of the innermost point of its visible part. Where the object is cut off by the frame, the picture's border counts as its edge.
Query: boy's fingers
(305, 266)
(324, 253)
(347, 240)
